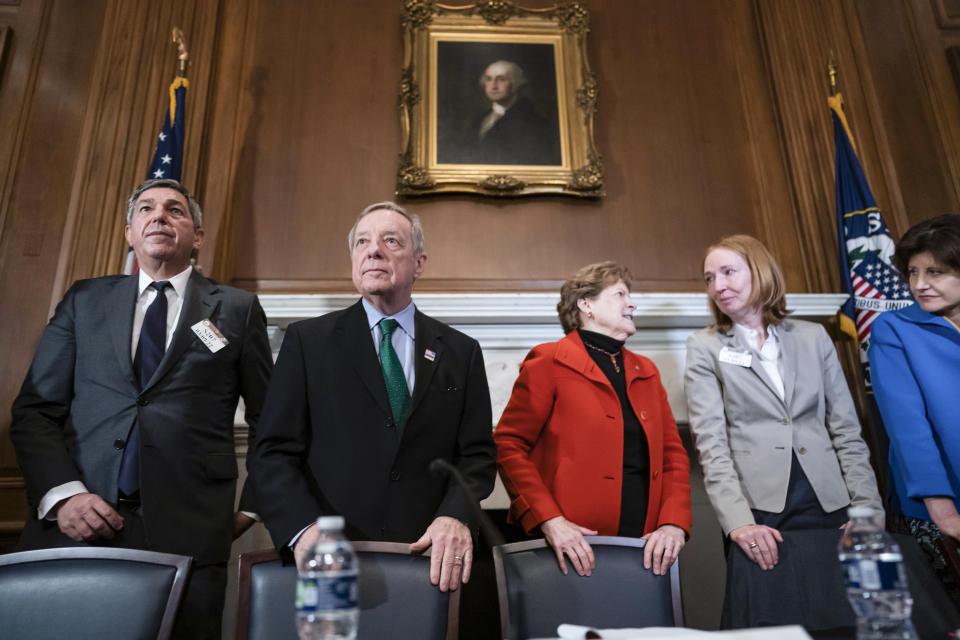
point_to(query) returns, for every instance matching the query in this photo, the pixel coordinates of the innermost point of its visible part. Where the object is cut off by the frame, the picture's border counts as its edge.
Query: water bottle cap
(860, 512)
(330, 522)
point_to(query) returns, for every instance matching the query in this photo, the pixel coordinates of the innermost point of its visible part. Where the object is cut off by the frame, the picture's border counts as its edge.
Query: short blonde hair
(767, 288)
(588, 282)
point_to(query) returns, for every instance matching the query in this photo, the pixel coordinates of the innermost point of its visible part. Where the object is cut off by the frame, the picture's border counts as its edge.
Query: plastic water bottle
(327, 586)
(876, 582)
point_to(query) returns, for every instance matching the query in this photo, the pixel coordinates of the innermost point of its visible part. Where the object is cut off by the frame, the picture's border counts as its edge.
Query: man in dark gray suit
(124, 425)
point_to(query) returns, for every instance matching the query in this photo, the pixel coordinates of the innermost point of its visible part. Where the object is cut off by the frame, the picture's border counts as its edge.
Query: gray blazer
(744, 432)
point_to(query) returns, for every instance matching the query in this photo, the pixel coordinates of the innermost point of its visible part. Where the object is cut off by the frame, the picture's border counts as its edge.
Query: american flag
(168, 156)
(877, 287)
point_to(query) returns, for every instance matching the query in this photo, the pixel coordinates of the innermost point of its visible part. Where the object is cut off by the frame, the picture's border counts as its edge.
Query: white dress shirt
(145, 297)
(769, 354)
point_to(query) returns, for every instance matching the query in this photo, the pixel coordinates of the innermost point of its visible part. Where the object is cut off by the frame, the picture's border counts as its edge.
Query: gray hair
(517, 76)
(192, 204)
(416, 229)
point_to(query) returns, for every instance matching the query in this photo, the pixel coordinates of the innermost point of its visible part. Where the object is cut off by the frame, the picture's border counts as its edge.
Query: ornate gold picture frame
(457, 136)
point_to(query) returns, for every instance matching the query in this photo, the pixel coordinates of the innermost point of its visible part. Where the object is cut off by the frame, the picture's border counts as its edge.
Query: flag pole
(182, 54)
(832, 73)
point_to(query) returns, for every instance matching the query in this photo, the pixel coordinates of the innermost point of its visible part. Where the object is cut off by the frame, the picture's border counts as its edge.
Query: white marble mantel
(508, 325)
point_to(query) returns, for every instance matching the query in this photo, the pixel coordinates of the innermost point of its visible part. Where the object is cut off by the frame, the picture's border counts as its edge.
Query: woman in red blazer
(587, 444)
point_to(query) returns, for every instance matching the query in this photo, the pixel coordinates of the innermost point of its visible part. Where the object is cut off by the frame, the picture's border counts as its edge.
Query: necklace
(613, 355)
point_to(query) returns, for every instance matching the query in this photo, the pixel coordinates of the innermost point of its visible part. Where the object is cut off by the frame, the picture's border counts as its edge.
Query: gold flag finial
(832, 73)
(182, 54)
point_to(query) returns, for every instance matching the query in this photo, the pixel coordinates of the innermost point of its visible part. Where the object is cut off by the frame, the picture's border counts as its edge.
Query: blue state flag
(865, 246)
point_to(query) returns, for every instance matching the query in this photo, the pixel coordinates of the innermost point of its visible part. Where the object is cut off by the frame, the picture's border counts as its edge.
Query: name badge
(738, 358)
(210, 335)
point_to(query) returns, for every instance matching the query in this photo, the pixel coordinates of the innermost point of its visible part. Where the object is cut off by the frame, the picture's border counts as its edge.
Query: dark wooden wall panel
(42, 101)
(320, 140)
(918, 149)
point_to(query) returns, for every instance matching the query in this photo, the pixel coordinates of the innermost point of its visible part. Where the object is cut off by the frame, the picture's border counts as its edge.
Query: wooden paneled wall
(712, 120)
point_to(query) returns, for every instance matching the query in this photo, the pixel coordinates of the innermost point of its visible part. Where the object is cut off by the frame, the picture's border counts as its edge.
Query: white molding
(657, 310)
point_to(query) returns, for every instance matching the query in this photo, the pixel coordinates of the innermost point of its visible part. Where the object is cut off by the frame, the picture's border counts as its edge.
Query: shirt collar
(404, 318)
(179, 281)
(750, 335)
(498, 108)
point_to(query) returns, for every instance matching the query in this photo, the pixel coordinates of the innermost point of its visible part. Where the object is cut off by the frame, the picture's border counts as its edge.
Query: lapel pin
(430, 354)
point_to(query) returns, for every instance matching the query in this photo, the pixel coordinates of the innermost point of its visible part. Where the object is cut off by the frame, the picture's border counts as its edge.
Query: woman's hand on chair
(662, 548)
(567, 538)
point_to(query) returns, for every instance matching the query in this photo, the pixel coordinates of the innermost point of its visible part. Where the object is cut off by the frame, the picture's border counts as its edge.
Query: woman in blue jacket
(915, 368)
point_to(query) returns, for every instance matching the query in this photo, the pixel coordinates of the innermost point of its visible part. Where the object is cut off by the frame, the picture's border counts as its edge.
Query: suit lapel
(199, 302)
(357, 348)
(123, 298)
(788, 346)
(425, 338)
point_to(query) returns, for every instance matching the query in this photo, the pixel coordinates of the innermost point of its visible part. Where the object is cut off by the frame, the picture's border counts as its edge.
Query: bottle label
(873, 575)
(306, 594)
(327, 592)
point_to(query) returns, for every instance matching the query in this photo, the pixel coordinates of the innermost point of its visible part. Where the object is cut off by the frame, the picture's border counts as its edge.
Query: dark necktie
(150, 348)
(393, 376)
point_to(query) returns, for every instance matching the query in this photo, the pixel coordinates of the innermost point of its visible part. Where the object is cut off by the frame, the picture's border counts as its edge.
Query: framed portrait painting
(496, 99)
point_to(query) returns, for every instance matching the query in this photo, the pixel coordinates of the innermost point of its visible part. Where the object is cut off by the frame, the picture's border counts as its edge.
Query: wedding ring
(753, 545)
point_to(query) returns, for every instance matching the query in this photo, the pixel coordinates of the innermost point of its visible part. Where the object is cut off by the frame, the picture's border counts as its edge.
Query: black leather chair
(535, 597)
(396, 597)
(90, 593)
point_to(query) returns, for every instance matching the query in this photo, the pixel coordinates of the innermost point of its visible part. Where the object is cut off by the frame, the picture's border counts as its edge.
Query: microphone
(441, 468)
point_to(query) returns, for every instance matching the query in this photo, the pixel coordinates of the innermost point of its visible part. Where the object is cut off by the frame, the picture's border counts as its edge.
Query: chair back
(90, 593)
(535, 597)
(396, 597)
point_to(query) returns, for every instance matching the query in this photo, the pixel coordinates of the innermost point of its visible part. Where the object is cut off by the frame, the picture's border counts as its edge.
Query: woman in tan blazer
(772, 417)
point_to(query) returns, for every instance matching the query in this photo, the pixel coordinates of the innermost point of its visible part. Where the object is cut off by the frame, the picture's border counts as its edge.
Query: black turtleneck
(635, 491)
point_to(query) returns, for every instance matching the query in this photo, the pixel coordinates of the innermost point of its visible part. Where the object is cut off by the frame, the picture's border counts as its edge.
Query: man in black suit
(512, 131)
(124, 425)
(362, 400)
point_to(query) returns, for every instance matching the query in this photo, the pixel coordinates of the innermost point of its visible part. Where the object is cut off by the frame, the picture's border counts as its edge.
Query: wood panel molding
(226, 128)
(798, 37)
(5, 33)
(19, 84)
(947, 12)
(133, 67)
(943, 94)
(773, 199)
(873, 144)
